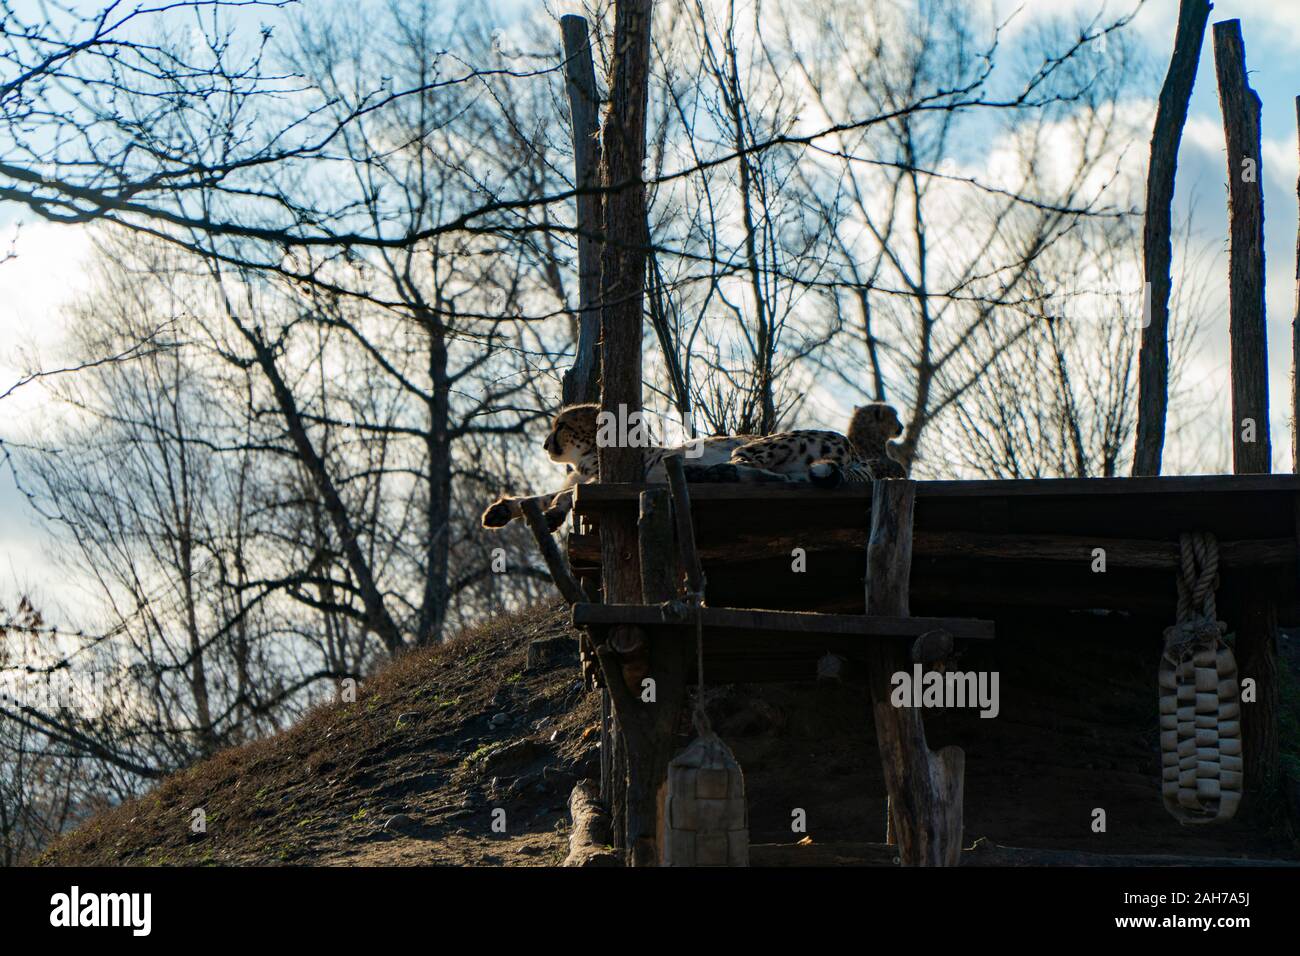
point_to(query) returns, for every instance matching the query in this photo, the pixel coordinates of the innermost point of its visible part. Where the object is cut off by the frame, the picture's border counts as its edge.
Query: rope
(699, 717)
(1197, 580)
(1200, 727)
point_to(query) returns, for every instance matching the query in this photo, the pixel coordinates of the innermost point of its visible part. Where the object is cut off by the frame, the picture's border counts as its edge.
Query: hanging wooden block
(703, 813)
(1200, 727)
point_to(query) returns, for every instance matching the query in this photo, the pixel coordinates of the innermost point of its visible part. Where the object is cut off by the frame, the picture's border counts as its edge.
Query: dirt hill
(412, 771)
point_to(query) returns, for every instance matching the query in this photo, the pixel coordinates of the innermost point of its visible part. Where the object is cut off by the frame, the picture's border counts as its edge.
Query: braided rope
(1200, 715)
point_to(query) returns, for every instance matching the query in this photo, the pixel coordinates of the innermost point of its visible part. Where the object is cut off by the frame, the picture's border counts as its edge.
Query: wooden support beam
(605, 498)
(1247, 330)
(655, 545)
(792, 624)
(925, 789)
(940, 545)
(555, 562)
(1157, 248)
(685, 526)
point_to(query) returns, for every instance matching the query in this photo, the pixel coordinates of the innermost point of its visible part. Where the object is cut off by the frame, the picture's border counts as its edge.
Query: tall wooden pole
(581, 382)
(1251, 449)
(1295, 333)
(622, 292)
(1157, 249)
(925, 789)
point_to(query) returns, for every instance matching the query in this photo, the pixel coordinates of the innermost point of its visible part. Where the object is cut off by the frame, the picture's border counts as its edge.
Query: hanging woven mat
(1200, 713)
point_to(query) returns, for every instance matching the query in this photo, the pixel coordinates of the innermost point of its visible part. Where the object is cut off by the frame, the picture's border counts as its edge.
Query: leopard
(872, 429)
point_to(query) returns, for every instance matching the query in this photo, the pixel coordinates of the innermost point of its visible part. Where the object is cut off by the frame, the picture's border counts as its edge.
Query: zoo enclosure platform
(985, 549)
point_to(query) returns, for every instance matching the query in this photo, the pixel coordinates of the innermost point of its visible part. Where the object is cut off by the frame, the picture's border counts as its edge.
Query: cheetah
(822, 458)
(871, 429)
(572, 442)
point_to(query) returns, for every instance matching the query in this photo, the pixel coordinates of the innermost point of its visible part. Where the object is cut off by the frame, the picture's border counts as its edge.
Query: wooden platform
(985, 548)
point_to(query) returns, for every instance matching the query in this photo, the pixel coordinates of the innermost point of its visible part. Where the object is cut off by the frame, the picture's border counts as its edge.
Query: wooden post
(1171, 116)
(1251, 449)
(581, 383)
(1295, 334)
(676, 470)
(925, 789)
(1257, 659)
(648, 720)
(1257, 623)
(618, 779)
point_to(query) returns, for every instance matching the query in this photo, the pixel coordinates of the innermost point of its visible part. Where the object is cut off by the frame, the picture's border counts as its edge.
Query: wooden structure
(928, 785)
(987, 547)
(797, 574)
(980, 552)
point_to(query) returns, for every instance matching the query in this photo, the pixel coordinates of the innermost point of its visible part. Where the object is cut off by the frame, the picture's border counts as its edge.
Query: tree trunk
(1157, 250)
(376, 614)
(622, 286)
(433, 602)
(1251, 448)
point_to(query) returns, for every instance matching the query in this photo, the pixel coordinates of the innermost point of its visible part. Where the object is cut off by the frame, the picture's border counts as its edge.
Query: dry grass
(414, 742)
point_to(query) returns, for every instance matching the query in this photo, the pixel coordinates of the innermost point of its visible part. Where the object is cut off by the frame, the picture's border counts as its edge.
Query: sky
(51, 263)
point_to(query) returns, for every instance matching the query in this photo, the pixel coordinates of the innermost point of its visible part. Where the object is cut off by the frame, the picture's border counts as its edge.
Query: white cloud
(49, 269)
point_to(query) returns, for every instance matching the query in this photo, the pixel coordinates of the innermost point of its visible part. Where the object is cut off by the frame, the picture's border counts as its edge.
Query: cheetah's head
(573, 434)
(873, 425)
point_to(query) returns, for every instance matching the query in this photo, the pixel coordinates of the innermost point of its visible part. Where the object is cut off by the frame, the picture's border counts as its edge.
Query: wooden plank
(655, 547)
(794, 623)
(592, 499)
(1120, 553)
